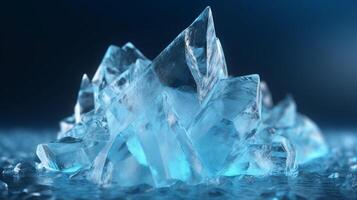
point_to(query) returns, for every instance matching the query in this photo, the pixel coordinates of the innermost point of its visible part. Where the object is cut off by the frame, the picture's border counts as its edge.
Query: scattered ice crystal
(179, 117)
(333, 175)
(24, 169)
(3, 186)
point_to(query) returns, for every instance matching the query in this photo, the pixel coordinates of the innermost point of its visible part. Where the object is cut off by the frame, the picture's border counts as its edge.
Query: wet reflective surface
(334, 177)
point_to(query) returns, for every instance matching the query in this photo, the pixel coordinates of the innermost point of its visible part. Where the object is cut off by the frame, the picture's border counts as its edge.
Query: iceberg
(179, 117)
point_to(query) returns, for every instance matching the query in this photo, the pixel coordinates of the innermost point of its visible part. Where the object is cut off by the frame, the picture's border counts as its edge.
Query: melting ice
(179, 117)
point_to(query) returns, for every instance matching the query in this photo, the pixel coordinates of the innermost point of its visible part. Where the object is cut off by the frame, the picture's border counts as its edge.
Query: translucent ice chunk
(273, 156)
(65, 125)
(307, 140)
(233, 101)
(184, 103)
(68, 156)
(304, 135)
(128, 60)
(93, 126)
(194, 59)
(283, 115)
(123, 108)
(157, 131)
(116, 61)
(120, 157)
(179, 117)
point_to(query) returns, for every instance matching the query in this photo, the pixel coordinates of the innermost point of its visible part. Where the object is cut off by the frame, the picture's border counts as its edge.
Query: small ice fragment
(267, 99)
(3, 186)
(334, 175)
(24, 169)
(85, 99)
(63, 156)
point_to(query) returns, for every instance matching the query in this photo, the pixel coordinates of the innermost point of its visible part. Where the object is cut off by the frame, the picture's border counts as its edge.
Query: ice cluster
(179, 117)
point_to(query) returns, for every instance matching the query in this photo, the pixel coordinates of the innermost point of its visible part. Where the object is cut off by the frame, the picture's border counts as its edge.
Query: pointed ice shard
(283, 115)
(122, 109)
(116, 61)
(109, 68)
(193, 55)
(267, 99)
(66, 124)
(85, 99)
(198, 58)
(307, 140)
(120, 64)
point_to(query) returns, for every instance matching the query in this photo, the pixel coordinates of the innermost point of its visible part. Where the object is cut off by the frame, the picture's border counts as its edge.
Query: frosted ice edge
(179, 117)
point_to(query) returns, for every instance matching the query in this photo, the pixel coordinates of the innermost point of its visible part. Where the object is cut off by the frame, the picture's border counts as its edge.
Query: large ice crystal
(179, 117)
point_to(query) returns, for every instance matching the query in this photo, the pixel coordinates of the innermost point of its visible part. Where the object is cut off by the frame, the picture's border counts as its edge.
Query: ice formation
(179, 117)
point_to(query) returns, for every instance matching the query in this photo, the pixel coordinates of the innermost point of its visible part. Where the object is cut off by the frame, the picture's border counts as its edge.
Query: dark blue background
(307, 48)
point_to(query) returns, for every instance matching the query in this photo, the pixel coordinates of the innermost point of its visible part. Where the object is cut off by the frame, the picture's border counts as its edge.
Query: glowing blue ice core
(179, 117)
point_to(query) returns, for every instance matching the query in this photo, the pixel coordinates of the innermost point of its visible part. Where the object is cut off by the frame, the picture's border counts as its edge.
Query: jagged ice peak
(179, 117)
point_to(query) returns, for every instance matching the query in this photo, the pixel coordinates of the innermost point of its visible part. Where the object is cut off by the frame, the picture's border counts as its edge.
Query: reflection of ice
(316, 180)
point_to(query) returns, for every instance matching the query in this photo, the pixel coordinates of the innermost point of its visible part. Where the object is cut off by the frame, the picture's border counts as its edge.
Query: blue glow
(179, 117)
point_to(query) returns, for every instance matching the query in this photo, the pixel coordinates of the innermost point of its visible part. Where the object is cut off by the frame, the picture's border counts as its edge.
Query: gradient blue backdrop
(307, 48)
